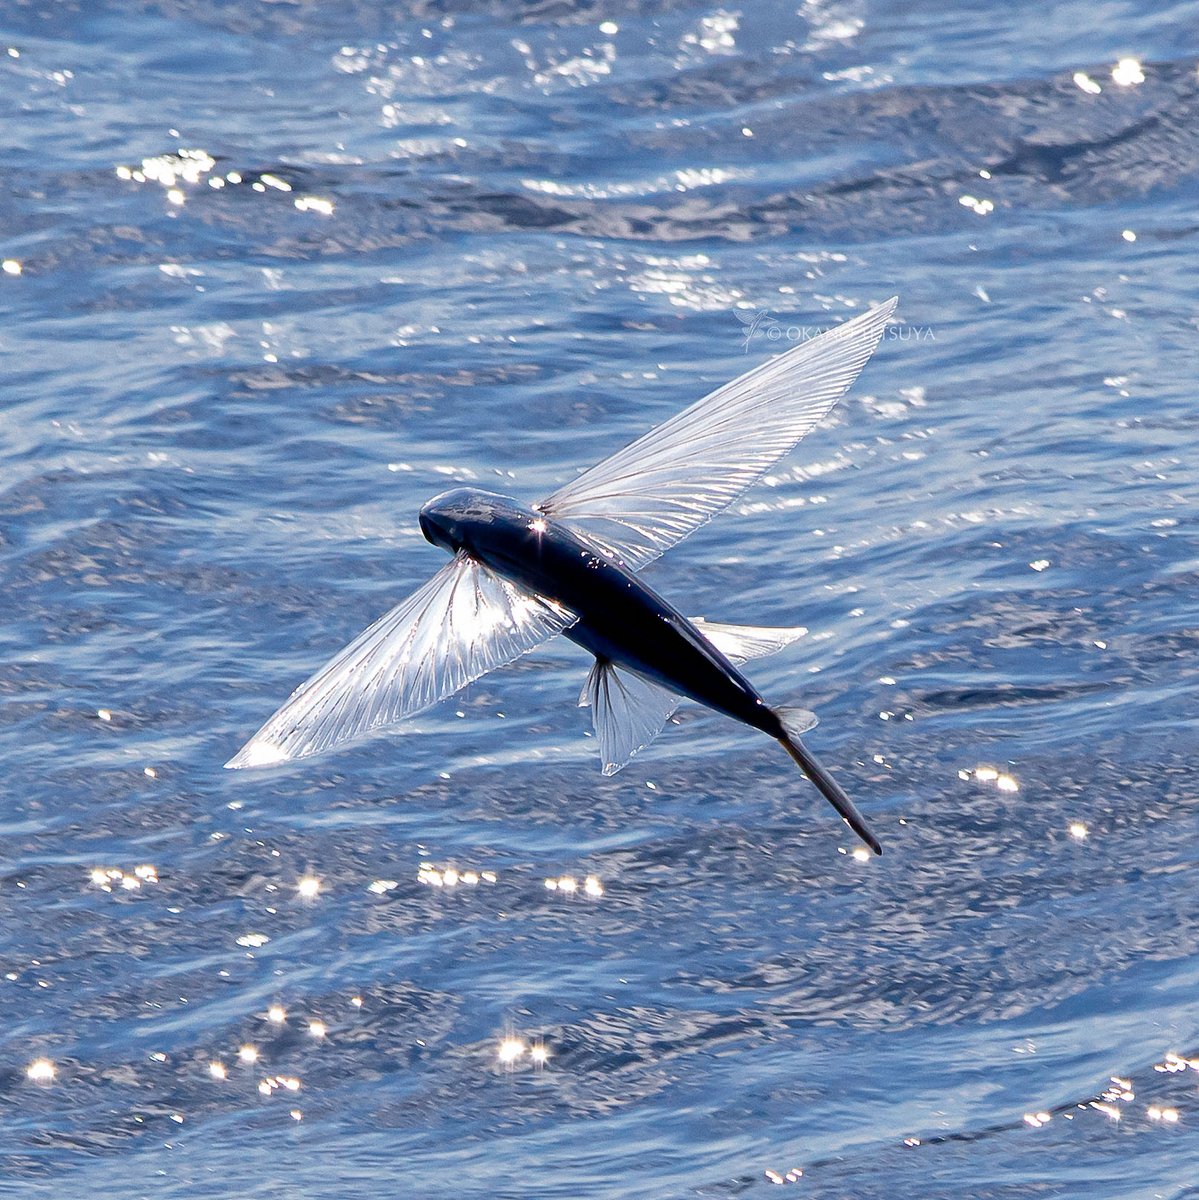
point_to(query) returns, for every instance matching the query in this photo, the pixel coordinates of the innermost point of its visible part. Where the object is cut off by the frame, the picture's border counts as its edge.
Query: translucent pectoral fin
(740, 643)
(644, 498)
(627, 712)
(464, 622)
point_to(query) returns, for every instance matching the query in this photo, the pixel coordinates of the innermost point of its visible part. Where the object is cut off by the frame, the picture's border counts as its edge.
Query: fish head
(461, 518)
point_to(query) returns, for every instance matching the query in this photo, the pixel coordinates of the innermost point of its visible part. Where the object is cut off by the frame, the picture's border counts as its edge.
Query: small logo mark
(753, 323)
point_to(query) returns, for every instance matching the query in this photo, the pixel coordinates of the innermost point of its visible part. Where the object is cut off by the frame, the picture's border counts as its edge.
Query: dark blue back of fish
(620, 618)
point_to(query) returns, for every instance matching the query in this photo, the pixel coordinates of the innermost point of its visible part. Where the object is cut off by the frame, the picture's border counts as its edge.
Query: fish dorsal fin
(740, 643)
(627, 711)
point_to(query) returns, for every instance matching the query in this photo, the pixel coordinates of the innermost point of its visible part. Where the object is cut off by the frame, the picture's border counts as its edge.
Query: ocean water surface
(276, 273)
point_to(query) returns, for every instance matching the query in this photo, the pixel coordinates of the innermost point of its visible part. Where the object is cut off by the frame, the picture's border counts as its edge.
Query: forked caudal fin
(795, 722)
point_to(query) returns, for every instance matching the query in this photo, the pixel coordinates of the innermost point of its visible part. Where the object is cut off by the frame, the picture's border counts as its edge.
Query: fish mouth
(427, 528)
(434, 531)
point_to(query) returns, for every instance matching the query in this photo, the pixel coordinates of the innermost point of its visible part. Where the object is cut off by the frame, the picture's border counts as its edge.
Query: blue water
(492, 243)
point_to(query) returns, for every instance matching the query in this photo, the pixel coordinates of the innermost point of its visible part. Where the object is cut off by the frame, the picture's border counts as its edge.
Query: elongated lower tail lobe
(830, 789)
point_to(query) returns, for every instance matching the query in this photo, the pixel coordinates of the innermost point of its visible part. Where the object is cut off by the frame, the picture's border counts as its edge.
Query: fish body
(570, 564)
(624, 623)
(620, 619)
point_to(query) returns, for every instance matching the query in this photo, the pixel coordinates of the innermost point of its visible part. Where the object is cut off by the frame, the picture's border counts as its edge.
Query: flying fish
(522, 573)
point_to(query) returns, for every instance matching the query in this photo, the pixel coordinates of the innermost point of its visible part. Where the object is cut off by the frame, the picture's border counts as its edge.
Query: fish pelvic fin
(795, 721)
(627, 711)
